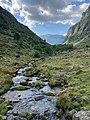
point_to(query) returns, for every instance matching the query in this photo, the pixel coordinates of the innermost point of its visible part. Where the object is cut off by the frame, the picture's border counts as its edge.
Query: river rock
(4, 117)
(82, 115)
(86, 98)
(72, 112)
(15, 113)
(9, 112)
(24, 83)
(40, 97)
(9, 107)
(16, 101)
(58, 76)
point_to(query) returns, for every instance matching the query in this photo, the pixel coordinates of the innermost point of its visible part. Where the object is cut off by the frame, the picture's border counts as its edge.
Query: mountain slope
(53, 39)
(18, 38)
(79, 34)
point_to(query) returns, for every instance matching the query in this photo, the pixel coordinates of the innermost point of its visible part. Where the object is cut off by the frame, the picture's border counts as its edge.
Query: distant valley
(53, 38)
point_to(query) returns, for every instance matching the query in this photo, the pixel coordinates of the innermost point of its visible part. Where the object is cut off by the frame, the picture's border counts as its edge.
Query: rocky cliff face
(80, 32)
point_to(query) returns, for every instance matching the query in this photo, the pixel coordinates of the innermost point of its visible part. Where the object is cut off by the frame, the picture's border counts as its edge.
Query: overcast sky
(47, 16)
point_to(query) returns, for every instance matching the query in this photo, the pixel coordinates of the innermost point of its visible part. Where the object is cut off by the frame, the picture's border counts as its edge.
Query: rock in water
(82, 115)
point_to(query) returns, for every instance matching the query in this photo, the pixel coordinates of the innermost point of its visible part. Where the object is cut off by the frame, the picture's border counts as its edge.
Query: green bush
(76, 104)
(36, 54)
(6, 86)
(16, 36)
(63, 102)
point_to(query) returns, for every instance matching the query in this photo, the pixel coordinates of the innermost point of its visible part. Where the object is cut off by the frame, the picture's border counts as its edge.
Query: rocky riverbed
(26, 97)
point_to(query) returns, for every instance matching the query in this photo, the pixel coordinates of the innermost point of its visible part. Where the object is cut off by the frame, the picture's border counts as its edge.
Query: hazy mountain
(53, 39)
(79, 34)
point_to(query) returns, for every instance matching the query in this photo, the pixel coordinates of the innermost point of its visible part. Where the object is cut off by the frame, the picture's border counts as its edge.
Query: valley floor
(68, 71)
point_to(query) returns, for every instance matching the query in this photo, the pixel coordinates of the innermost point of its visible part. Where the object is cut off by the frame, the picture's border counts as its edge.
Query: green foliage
(64, 47)
(63, 102)
(1, 117)
(36, 54)
(52, 83)
(58, 83)
(16, 36)
(5, 87)
(43, 117)
(3, 107)
(36, 84)
(21, 88)
(27, 116)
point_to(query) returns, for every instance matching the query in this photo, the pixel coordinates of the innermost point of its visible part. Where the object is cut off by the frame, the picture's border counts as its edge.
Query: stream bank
(29, 94)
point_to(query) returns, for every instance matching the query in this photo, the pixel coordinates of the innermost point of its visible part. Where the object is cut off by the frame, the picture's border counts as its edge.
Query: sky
(47, 16)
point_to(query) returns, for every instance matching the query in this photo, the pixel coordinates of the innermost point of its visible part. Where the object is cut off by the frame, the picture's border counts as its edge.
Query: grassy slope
(76, 65)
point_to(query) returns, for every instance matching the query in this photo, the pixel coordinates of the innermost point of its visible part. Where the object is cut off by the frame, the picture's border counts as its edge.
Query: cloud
(42, 11)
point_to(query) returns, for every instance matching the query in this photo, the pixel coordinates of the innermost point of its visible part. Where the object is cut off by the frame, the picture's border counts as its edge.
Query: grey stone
(58, 76)
(16, 101)
(15, 113)
(82, 115)
(9, 107)
(72, 112)
(40, 97)
(86, 98)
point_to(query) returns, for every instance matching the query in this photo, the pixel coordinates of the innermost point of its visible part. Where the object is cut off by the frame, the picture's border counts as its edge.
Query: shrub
(52, 83)
(16, 36)
(36, 54)
(76, 104)
(63, 102)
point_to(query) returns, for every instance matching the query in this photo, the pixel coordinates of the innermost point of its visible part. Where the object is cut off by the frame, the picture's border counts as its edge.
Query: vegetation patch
(5, 86)
(27, 116)
(36, 85)
(3, 107)
(21, 88)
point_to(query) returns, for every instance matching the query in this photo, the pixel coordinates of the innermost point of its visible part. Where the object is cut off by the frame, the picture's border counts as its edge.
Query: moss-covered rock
(21, 88)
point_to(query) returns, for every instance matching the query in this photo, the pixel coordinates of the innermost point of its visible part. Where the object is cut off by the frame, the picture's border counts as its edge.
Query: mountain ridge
(19, 37)
(79, 33)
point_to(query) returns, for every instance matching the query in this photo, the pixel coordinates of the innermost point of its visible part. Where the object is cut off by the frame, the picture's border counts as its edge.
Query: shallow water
(32, 100)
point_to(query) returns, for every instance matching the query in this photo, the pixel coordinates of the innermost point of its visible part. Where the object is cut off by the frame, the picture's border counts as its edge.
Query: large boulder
(82, 115)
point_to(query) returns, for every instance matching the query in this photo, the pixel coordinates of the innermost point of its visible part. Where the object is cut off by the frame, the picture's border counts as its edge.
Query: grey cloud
(41, 11)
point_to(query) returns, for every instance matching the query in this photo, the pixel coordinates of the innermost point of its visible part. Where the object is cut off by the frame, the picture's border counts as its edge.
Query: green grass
(75, 66)
(36, 85)
(3, 107)
(1, 117)
(20, 88)
(5, 87)
(27, 116)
